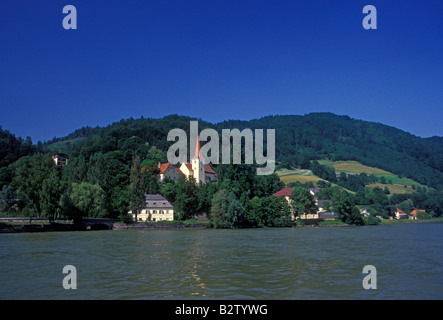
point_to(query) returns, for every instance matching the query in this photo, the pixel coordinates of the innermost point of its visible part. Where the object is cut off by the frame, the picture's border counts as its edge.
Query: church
(197, 168)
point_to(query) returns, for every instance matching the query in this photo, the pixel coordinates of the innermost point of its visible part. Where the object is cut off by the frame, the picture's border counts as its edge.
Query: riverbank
(34, 227)
(397, 221)
(164, 225)
(20, 225)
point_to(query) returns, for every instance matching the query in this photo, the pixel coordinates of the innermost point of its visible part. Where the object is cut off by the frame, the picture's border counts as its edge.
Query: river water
(286, 263)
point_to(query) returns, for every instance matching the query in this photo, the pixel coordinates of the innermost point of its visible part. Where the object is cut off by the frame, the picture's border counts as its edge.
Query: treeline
(319, 136)
(377, 201)
(107, 185)
(13, 148)
(101, 159)
(299, 139)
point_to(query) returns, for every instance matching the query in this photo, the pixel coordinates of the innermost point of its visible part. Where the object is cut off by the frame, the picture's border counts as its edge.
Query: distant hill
(298, 139)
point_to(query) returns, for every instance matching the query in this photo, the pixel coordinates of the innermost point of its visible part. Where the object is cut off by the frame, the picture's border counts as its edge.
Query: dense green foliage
(326, 135)
(116, 165)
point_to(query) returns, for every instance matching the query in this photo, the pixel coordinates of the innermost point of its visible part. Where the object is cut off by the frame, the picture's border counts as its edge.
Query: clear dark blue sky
(219, 60)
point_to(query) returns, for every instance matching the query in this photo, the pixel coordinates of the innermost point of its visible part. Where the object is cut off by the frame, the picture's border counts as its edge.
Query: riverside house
(286, 192)
(156, 208)
(400, 214)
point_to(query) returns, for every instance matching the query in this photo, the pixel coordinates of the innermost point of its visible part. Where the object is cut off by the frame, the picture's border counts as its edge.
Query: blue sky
(219, 60)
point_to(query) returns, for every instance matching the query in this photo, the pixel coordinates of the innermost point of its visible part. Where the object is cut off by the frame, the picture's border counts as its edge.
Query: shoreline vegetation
(46, 226)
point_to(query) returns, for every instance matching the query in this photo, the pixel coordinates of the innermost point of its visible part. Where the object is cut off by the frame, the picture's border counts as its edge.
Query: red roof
(164, 167)
(189, 166)
(286, 192)
(400, 211)
(417, 211)
(208, 169)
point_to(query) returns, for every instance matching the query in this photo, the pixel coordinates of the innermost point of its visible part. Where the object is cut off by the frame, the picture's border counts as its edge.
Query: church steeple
(198, 164)
(197, 149)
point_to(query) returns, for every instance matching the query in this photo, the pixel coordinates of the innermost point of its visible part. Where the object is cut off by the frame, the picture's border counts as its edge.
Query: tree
(7, 196)
(89, 199)
(186, 200)
(205, 194)
(30, 178)
(219, 208)
(68, 209)
(346, 209)
(235, 216)
(137, 187)
(50, 197)
(302, 202)
(227, 211)
(304, 162)
(268, 212)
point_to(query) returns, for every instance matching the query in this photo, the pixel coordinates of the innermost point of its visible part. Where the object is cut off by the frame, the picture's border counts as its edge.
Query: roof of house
(59, 155)
(208, 169)
(189, 166)
(327, 215)
(286, 192)
(417, 211)
(165, 166)
(156, 201)
(400, 211)
(315, 190)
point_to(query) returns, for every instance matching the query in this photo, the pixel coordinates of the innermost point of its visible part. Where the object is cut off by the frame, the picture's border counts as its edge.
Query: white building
(156, 208)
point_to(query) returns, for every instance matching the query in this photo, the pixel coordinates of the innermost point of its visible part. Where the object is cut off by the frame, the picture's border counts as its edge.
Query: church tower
(198, 165)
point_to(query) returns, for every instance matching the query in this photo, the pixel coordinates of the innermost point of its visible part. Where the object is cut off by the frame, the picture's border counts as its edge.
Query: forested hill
(326, 135)
(298, 139)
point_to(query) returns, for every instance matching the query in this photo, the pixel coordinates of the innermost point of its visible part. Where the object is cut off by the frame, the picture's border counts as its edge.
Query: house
(364, 212)
(197, 168)
(399, 214)
(156, 208)
(60, 159)
(286, 192)
(314, 191)
(328, 216)
(413, 214)
(167, 170)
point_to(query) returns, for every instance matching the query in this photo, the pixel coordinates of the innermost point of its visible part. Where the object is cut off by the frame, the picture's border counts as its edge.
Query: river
(281, 263)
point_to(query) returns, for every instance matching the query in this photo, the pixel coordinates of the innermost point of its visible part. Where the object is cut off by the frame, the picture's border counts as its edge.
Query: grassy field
(302, 176)
(288, 178)
(393, 188)
(353, 167)
(396, 186)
